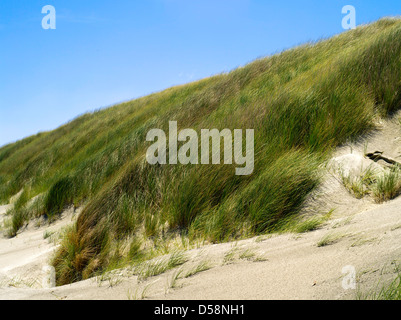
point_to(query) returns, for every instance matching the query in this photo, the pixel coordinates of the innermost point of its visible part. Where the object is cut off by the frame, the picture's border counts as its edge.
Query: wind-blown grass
(159, 266)
(301, 103)
(388, 185)
(383, 186)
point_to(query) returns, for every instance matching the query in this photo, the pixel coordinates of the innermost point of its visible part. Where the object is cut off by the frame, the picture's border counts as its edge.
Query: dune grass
(382, 186)
(329, 239)
(155, 267)
(390, 291)
(384, 289)
(198, 268)
(388, 186)
(301, 103)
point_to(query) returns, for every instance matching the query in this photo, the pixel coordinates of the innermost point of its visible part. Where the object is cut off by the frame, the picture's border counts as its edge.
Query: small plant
(137, 295)
(343, 222)
(172, 282)
(383, 186)
(309, 224)
(391, 291)
(360, 185)
(388, 186)
(252, 255)
(202, 266)
(19, 282)
(47, 234)
(385, 291)
(242, 254)
(329, 239)
(262, 238)
(362, 241)
(112, 279)
(247, 254)
(161, 265)
(60, 195)
(176, 259)
(230, 255)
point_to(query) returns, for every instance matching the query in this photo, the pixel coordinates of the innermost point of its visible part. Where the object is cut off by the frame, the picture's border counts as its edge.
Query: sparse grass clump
(382, 186)
(329, 239)
(388, 185)
(242, 253)
(361, 185)
(385, 290)
(391, 291)
(159, 266)
(48, 234)
(200, 267)
(310, 224)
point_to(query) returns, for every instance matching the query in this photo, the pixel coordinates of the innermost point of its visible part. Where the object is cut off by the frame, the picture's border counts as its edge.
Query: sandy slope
(364, 235)
(23, 257)
(296, 268)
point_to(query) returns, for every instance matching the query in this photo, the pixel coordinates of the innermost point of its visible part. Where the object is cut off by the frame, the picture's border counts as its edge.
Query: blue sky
(104, 52)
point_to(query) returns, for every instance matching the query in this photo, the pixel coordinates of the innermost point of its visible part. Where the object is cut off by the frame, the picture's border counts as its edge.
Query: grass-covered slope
(301, 103)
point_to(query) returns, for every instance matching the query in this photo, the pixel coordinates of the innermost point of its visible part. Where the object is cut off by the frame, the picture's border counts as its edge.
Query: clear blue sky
(104, 52)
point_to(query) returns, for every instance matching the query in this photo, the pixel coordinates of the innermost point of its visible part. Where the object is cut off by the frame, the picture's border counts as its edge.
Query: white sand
(296, 268)
(23, 257)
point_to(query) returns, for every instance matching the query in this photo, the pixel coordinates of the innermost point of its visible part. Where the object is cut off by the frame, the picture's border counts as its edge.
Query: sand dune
(360, 234)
